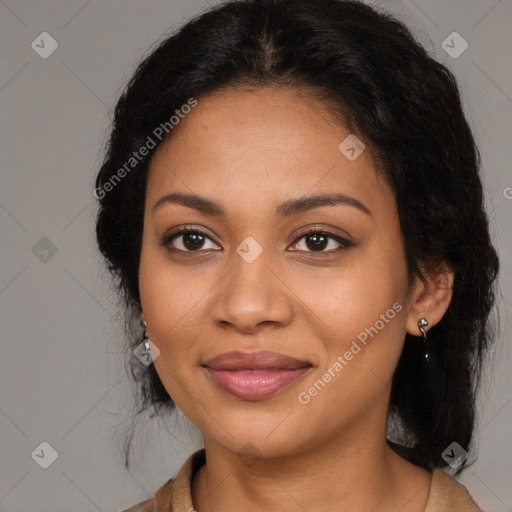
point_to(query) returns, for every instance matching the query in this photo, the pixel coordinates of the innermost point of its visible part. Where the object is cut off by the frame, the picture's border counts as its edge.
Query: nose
(252, 297)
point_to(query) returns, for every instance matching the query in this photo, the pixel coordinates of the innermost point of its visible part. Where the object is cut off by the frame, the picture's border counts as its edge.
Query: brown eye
(319, 241)
(188, 240)
(193, 241)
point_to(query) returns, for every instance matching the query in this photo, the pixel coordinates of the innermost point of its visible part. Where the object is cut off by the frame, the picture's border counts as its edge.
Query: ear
(430, 299)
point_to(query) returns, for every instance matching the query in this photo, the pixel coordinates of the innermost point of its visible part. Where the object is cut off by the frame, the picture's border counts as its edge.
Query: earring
(422, 324)
(145, 337)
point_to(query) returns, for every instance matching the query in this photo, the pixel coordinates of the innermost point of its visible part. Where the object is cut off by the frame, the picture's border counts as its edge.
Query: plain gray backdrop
(62, 378)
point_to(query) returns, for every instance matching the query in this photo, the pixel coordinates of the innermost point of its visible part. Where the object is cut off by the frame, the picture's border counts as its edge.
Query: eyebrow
(286, 209)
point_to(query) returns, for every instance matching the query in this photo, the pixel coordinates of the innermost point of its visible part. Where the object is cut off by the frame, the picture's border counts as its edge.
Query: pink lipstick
(255, 375)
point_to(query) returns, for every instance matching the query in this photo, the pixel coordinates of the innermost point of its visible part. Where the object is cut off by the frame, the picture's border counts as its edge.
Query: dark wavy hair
(367, 66)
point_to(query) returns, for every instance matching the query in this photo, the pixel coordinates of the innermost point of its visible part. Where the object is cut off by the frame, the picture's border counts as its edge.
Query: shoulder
(142, 506)
(448, 495)
(154, 504)
(175, 494)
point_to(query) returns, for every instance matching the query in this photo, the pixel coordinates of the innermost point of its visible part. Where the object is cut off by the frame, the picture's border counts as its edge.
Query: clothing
(446, 494)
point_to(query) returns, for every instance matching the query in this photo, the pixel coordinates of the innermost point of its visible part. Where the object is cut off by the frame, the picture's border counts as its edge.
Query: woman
(291, 201)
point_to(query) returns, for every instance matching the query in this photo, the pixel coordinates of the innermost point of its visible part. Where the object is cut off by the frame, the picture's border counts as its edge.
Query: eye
(191, 239)
(317, 240)
(188, 240)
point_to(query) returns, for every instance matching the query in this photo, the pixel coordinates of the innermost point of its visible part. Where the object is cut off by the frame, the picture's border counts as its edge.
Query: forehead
(264, 142)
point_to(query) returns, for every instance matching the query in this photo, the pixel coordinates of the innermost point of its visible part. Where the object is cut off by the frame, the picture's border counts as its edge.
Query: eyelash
(344, 243)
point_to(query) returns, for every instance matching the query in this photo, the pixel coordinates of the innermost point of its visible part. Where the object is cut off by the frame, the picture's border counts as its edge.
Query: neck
(356, 471)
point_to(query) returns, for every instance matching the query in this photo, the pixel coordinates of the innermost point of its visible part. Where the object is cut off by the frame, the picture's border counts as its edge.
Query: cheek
(169, 292)
(172, 309)
(362, 307)
(351, 296)
(173, 303)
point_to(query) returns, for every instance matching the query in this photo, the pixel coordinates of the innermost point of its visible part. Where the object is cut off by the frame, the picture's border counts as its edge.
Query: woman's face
(332, 307)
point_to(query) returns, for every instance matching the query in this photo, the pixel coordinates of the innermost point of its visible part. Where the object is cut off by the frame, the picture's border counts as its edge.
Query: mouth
(255, 375)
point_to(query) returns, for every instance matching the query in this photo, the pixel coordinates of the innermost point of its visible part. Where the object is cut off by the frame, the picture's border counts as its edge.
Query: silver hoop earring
(422, 324)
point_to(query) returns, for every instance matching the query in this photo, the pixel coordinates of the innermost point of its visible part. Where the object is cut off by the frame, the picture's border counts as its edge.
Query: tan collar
(176, 494)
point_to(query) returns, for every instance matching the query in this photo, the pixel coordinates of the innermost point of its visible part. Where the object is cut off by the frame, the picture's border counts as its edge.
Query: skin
(249, 151)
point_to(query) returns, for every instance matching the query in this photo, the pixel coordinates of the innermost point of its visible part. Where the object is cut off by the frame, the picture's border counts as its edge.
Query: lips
(255, 375)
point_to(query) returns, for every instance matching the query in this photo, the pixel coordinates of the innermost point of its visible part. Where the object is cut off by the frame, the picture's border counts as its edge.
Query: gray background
(62, 376)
